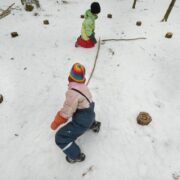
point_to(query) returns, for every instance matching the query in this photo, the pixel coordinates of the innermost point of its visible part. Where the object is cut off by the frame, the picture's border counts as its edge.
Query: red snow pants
(86, 44)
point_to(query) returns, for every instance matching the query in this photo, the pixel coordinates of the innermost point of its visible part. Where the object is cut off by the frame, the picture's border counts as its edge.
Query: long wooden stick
(105, 40)
(95, 61)
(131, 39)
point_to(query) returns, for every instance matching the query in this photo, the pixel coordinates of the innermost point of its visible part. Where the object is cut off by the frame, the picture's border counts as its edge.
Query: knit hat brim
(70, 79)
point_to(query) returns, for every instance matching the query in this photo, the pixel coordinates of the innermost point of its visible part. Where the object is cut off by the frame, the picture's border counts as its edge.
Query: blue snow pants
(81, 121)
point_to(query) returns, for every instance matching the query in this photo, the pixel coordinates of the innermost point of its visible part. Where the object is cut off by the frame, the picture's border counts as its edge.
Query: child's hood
(88, 14)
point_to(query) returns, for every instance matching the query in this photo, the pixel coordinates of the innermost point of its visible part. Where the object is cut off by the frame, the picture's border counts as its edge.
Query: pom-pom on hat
(77, 73)
(95, 8)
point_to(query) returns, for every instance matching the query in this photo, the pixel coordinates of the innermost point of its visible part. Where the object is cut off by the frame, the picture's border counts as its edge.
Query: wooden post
(168, 10)
(134, 4)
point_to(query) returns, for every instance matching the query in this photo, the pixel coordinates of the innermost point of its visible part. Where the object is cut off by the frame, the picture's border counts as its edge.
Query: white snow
(130, 77)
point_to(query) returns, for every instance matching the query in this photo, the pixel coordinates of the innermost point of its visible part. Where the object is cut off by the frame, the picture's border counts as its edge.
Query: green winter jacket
(88, 25)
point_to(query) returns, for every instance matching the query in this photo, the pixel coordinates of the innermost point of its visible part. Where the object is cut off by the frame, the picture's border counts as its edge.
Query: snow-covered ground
(130, 76)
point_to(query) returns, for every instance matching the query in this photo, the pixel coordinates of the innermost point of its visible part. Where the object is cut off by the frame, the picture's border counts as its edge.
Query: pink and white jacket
(75, 100)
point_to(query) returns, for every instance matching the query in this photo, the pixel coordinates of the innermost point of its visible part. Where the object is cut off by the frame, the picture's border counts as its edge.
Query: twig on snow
(7, 11)
(88, 170)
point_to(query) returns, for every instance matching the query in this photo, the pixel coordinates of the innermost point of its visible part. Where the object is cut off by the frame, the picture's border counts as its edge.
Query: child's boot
(76, 44)
(80, 158)
(96, 126)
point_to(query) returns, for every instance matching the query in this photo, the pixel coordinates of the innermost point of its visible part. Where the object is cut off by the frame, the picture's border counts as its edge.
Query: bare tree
(134, 4)
(169, 10)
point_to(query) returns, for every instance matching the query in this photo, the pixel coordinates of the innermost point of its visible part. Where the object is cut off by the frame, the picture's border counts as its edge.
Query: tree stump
(29, 7)
(138, 23)
(109, 16)
(65, 2)
(82, 16)
(1, 98)
(46, 22)
(14, 34)
(169, 35)
(36, 14)
(144, 118)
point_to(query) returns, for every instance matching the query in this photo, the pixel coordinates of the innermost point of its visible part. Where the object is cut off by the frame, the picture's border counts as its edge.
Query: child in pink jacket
(80, 107)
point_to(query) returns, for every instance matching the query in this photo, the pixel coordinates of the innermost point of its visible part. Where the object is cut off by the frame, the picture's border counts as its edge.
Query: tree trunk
(169, 10)
(134, 4)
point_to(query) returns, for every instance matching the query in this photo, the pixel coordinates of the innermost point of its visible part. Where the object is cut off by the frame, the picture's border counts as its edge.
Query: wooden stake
(134, 4)
(168, 11)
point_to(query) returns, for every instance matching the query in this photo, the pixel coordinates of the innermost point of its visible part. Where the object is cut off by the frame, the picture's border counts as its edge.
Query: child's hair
(95, 8)
(77, 73)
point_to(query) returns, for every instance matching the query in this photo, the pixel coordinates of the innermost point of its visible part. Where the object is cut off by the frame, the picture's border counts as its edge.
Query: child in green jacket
(87, 38)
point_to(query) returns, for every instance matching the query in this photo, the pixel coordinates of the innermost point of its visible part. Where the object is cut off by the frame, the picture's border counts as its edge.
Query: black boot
(80, 158)
(96, 126)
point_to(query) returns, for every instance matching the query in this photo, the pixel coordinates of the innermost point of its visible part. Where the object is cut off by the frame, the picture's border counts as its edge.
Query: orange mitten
(58, 120)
